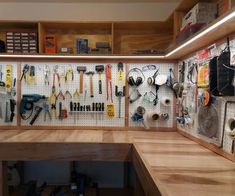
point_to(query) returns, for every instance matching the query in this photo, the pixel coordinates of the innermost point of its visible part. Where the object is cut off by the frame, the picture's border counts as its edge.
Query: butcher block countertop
(165, 162)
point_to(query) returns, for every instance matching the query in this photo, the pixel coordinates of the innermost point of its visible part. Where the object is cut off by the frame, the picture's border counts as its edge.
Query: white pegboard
(220, 104)
(81, 119)
(163, 92)
(5, 97)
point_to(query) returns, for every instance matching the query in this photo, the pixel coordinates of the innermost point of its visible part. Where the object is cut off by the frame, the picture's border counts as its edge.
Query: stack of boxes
(202, 13)
(196, 18)
(21, 42)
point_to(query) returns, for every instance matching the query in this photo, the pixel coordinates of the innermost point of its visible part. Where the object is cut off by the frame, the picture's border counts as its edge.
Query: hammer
(99, 69)
(91, 73)
(81, 70)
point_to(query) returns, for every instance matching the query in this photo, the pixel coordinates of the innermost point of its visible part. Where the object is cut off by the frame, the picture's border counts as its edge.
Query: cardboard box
(50, 44)
(200, 13)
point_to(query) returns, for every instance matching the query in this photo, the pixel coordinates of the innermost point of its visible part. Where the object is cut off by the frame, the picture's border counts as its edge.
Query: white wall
(86, 11)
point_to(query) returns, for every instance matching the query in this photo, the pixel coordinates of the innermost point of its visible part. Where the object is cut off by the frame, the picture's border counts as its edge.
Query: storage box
(50, 44)
(200, 13)
(82, 46)
(188, 31)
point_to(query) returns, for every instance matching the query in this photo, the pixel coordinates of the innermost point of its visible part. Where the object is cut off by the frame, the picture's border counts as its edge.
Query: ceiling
(93, 1)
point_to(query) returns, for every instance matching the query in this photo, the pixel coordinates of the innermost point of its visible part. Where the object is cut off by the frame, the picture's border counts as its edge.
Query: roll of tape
(166, 101)
(152, 116)
(230, 127)
(164, 116)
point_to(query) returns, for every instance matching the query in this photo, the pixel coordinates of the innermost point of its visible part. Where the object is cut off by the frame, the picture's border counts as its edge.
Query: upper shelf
(220, 28)
(123, 37)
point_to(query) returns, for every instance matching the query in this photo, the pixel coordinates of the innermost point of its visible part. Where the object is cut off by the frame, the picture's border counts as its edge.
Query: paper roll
(164, 116)
(166, 101)
(230, 128)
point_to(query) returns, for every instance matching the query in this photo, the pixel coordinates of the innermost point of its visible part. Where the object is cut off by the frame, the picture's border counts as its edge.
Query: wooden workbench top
(165, 162)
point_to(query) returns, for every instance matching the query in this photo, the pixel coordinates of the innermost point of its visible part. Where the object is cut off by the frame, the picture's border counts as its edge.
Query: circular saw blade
(208, 121)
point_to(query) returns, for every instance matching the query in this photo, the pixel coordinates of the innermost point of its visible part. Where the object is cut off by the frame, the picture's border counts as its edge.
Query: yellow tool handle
(8, 78)
(81, 82)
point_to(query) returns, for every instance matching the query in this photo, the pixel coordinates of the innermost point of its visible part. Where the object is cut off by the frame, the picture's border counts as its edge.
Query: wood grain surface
(166, 163)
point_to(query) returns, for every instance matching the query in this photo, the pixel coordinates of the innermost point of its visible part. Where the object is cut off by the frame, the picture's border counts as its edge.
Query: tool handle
(91, 87)
(38, 111)
(81, 82)
(100, 87)
(71, 106)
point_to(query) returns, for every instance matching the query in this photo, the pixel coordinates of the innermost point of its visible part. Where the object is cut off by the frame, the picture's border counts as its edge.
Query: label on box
(17, 38)
(9, 37)
(25, 38)
(24, 34)
(17, 41)
(10, 33)
(16, 34)
(9, 44)
(17, 45)
(9, 41)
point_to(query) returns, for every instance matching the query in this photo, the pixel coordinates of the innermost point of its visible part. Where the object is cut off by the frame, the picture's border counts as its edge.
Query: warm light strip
(217, 24)
(79, 57)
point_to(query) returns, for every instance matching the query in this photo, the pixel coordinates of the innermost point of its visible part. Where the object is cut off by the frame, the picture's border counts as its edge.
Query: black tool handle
(38, 111)
(12, 108)
(71, 106)
(100, 87)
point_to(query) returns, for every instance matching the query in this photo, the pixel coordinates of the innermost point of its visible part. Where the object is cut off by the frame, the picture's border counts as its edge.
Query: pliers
(24, 71)
(46, 109)
(56, 75)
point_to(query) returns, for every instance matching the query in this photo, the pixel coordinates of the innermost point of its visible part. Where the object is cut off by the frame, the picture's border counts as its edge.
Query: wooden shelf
(141, 36)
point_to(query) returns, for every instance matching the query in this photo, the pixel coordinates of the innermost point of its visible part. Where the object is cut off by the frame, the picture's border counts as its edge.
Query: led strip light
(217, 24)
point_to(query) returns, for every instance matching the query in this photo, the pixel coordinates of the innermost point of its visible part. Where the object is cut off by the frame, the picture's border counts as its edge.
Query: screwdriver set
(8, 93)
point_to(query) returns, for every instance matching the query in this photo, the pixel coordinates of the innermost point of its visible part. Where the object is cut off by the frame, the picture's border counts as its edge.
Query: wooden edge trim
(207, 145)
(25, 127)
(151, 185)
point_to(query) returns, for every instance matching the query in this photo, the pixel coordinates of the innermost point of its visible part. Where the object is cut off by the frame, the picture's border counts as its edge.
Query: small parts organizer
(94, 95)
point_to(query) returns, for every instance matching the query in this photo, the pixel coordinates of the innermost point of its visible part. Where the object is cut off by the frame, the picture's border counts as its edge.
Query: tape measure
(206, 98)
(110, 110)
(8, 78)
